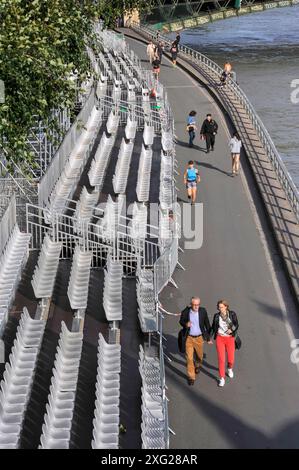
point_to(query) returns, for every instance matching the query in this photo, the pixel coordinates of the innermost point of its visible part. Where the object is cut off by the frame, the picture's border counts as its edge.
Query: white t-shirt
(222, 327)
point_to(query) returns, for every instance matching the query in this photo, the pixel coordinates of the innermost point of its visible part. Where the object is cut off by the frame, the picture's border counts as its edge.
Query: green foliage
(41, 44)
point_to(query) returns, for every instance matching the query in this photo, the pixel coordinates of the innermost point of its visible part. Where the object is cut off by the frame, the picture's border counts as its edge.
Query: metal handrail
(282, 173)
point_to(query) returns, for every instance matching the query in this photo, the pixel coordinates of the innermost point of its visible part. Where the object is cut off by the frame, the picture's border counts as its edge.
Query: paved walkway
(259, 407)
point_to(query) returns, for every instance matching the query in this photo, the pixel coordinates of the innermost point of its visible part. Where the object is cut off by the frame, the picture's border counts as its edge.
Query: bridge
(91, 289)
(173, 15)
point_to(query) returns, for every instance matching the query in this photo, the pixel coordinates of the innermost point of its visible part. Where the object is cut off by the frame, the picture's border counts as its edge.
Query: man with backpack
(208, 132)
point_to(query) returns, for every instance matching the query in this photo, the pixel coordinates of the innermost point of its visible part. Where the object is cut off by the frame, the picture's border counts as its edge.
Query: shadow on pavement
(239, 434)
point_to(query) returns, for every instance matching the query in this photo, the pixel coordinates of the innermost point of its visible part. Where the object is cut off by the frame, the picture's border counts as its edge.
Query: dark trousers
(210, 141)
(191, 137)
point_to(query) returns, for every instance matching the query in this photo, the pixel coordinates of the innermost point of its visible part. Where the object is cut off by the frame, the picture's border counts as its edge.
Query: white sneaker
(221, 382)
(230, 373)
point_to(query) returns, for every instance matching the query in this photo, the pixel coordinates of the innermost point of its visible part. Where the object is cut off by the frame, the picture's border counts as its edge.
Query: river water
(264, 50)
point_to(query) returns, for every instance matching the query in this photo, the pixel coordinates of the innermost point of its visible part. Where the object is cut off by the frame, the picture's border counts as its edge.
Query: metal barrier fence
(56, 166)
(282, 173)
(158, 119)
(7, 223)
(119, 240)
(163, 381)
(165, 265)
(44, 142)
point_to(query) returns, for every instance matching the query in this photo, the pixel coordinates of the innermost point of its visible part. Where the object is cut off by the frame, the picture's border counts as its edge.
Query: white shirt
(235, 145)
(222, 327)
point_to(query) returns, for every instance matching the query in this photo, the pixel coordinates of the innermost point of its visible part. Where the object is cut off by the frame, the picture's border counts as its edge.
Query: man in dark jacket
(208, 131)
(159, 51)
(195, 320)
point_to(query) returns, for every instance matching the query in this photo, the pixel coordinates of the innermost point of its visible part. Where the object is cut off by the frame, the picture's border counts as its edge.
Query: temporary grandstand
(82, 266)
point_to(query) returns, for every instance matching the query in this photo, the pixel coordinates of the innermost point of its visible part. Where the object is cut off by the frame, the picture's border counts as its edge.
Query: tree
(41, 43)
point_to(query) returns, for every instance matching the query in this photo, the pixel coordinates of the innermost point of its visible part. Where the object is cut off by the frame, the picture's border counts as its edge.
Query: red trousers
(225, 343)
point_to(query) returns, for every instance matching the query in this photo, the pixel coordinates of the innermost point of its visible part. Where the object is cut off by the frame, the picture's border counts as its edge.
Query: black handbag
(238, 342)
(182, 338)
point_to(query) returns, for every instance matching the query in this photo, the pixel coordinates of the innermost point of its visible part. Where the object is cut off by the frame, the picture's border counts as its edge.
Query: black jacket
(215, 324)
(209, 127)
(203, 321)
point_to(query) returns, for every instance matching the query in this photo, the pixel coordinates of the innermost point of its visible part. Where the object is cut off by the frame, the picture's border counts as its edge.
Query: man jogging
(208, 131)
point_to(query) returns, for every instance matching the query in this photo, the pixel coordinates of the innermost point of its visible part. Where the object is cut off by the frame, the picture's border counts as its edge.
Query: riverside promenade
(240, 261)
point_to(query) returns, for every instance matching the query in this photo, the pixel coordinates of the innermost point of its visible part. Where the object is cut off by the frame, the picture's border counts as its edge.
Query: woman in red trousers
(224, 328)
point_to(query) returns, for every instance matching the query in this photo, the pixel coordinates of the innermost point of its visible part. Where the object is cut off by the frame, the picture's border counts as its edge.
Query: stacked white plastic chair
(84, 209)
(122, 169)
(131, 95)
(46, 269)
(146, 301)
(12, 261)
(100, 162)
(112, 122)
(102, 85)
(18, 378)
(166, 190)
(105, 66)
(130, 129)
(146, 102)
(139, 221)
(106, 420)
(153, 414)
(56, 430)
(144, 175)
(167, 141)
(108, 226)
(116, 92)
(69, 178)
(79, 279)
(112, 297)
(148, 134)
(166, 228)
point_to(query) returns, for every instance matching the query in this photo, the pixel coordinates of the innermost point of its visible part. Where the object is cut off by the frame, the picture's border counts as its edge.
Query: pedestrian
(227, 67)
(224, 327)
(191, 178)
(178, 38)
(235, 145)
(150, 50)
(223, 79)
(194, 319)
(156, 66)
(159, 51)
(174, 52)
(191, 127)
(208, 132)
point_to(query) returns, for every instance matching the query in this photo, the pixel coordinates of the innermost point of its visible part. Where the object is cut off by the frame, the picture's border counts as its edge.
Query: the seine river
(264, 50)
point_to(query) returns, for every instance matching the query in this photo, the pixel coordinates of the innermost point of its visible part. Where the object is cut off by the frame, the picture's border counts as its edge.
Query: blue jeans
(191, 137)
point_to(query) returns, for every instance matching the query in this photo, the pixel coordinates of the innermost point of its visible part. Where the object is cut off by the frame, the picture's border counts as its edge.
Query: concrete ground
(237, 261)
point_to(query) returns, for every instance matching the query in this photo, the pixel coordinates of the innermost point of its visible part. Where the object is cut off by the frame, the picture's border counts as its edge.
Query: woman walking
(156, 66)
(174, 52)
(235, 145)
(224, 328)
(191, 127)
(150, 51)
(191, 178)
